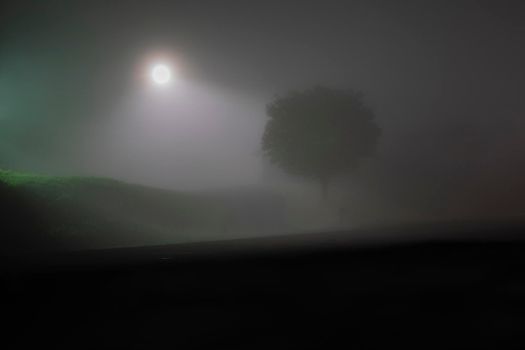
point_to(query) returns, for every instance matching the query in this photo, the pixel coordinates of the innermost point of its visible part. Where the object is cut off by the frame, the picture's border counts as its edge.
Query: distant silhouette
(320, 133)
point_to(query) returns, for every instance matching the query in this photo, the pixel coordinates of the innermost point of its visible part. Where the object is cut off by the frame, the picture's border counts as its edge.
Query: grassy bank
(88, 212)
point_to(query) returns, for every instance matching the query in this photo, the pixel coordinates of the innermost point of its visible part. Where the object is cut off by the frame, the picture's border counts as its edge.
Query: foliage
(320, 133)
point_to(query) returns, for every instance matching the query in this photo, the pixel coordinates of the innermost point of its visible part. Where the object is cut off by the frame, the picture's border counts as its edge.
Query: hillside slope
(82, 212)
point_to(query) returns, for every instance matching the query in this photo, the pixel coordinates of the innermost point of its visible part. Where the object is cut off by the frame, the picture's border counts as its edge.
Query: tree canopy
(320, 133)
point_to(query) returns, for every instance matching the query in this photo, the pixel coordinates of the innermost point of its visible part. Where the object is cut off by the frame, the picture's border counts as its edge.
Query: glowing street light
(161, 74)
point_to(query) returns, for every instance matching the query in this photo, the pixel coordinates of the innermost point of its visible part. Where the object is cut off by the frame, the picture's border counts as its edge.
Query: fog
(444, 80)
(186, 136)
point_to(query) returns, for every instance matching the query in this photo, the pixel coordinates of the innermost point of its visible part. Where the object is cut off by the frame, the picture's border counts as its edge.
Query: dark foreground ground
(311, 291)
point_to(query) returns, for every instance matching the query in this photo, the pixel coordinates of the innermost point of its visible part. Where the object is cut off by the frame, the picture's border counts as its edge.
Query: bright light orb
(161, 74)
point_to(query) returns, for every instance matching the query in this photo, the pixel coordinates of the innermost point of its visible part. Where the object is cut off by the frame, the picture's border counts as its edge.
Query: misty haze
(195, 128)
(79, 100)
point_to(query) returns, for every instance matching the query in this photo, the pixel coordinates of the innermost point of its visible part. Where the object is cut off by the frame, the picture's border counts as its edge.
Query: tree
(320, 133)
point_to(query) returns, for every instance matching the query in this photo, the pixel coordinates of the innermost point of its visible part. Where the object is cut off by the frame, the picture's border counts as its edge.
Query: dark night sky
(445, 79)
